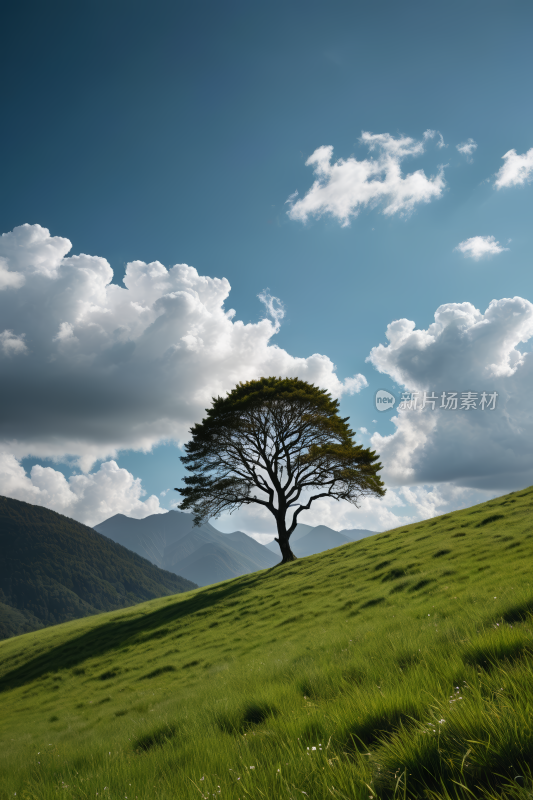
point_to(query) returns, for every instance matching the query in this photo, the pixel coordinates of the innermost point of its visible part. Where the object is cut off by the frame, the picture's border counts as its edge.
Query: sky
(198, 194)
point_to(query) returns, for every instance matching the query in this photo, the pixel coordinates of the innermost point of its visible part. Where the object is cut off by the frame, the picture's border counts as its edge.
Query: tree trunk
(286, 552)
(283, 541)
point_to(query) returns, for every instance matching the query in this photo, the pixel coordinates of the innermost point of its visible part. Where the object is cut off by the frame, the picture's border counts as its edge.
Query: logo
(384, 400)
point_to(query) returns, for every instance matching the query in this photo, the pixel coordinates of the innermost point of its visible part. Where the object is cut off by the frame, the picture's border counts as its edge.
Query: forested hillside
(55, 569)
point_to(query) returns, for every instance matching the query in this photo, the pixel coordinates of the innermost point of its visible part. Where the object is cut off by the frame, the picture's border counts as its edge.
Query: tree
(279, 443)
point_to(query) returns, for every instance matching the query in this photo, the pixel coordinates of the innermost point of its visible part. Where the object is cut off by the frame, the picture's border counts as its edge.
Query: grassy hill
(54, 569)
(397, 666)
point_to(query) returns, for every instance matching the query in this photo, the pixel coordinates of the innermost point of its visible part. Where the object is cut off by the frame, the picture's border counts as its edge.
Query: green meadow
(400, 666)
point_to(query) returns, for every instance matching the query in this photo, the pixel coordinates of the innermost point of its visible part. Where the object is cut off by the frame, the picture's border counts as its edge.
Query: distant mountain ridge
(54, 569)
(172, 542)
(307, 541)
(205, 555)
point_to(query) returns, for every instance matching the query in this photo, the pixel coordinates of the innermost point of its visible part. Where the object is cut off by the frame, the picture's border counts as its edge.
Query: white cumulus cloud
(9, 279)
(467, 148)
(516, 169)
(463, 351)
(478, 246)
(88, 498)
(346, 186)
(109, 368)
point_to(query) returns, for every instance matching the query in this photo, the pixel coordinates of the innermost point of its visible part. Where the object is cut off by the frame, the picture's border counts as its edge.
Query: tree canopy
(279, 443)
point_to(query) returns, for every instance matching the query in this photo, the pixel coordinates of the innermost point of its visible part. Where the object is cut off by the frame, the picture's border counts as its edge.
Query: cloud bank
(478, 246)
(515, 170)
(463, 351)
(89, 368)
(88, 498)
(343, 188)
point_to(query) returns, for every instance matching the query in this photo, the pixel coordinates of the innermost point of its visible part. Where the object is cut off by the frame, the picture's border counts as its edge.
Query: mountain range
(54, 569)
(204, 554)
(307, 540)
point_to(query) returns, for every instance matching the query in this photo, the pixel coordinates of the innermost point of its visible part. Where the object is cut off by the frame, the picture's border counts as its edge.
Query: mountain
(150, 537)
(54, 569)
(306, 540)
(202, 554)
(205, 555)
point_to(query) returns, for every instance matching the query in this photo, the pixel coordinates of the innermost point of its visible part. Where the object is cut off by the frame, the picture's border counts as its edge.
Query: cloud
(478, 246)
(467, 148)
(429, 134)
(463, 351)
(355, 384)
(11, 344)
(8, 279)
(274, 307)
(88, 498)
(292, 197)
(108, 368)
(515, 170)
(343, 188)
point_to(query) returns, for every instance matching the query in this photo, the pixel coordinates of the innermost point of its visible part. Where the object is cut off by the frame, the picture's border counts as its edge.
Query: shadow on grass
(490, 655)
(114, 635)
(155, 738)
(519, 612)
(379, 726)
(245, 718)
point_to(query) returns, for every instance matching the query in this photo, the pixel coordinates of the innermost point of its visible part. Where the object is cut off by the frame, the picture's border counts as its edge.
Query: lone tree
(279, 443)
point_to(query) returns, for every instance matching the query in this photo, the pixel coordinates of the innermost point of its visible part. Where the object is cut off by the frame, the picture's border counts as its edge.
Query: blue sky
(176, 132)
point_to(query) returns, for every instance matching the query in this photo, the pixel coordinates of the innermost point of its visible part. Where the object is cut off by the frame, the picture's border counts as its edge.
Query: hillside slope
(55, 569)
(398, 666)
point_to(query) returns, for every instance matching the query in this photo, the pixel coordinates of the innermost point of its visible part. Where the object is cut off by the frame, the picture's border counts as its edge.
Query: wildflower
(252, 767)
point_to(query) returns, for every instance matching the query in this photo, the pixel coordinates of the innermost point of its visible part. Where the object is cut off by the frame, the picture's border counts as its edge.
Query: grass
(400, 666)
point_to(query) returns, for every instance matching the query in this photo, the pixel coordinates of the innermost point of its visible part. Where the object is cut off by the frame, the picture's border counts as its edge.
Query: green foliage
(267, 442)
(306, 686)
(55, 569)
